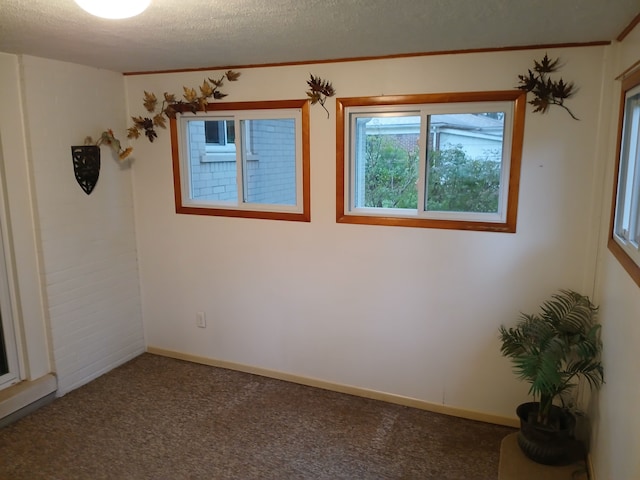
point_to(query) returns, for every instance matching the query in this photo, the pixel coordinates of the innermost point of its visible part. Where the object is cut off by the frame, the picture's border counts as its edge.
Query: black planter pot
(552, 444)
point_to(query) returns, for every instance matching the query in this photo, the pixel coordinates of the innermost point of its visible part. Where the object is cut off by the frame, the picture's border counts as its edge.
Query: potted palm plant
(553, 350)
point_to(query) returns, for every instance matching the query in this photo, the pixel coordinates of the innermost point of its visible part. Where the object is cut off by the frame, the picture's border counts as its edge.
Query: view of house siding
(478, 135)
(268, 152)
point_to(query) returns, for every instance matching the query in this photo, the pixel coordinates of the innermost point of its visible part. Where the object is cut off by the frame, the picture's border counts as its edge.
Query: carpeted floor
(159, 418)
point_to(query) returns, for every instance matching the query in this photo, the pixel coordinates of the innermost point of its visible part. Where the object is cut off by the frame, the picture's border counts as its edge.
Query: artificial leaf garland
(546, 91)
(191, 101)
(170, 106)
(319, 90)
(107, 138)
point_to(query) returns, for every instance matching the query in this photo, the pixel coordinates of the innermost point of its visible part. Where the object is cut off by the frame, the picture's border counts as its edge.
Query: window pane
(464, 166)
(211, 181)
(628, 186)
(386, 161)
(270, 168)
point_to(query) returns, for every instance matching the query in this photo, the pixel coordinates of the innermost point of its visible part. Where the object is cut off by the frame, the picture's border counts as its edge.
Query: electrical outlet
(201, 320)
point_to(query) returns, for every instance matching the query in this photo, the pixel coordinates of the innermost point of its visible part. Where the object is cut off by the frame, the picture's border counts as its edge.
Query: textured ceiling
(182, 34)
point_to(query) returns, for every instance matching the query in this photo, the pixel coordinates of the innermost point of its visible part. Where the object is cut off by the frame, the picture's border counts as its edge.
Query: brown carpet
(160, 418)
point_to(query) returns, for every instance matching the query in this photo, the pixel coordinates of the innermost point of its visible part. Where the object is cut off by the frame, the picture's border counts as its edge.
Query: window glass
(209, 181)
(386, 161)
(464, 162)
(274, 143)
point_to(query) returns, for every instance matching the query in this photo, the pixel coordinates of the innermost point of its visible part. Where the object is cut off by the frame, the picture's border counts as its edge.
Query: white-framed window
(439, 160)
(248, 159)
(624, 239)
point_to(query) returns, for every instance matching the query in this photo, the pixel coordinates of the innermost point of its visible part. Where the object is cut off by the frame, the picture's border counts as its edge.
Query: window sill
(16, 398)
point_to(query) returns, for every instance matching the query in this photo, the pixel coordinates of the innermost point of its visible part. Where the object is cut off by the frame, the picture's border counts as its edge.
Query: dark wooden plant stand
(514, 465)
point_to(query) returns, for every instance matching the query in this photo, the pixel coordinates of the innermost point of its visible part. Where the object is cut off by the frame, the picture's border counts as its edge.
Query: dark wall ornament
(546, 91)
(319, 91)
(86, 166)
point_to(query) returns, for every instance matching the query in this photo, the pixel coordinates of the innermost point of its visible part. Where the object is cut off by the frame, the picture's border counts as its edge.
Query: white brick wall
(88, 243)
(272, 180)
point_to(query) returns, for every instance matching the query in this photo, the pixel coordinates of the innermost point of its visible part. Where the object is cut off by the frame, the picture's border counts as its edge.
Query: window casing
(243, 159)
(466, 179)
(624, 238)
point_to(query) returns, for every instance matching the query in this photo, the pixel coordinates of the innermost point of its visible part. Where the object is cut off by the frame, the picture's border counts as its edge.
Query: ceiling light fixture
(114, 9)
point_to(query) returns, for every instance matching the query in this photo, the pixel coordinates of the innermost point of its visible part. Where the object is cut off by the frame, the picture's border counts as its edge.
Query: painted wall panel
(413, 312)
(88, 243)
(616, 427)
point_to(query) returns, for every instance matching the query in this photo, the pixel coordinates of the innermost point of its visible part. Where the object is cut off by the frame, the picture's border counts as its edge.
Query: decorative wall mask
(86, 166)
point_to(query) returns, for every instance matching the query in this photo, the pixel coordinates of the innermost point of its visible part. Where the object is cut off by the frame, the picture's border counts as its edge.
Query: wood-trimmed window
(624, 231)
(467, 179)
(263, 171)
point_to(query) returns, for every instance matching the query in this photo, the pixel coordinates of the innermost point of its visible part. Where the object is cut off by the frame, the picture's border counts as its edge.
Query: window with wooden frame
(624, 236)
(435, 160)
(243, 159)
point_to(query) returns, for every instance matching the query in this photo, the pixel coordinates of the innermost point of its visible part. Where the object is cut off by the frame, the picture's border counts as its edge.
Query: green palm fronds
(555, 348)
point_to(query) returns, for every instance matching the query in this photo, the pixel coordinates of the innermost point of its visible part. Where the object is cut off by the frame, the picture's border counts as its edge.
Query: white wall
(616, 422)
(411, 312)
(88, 245)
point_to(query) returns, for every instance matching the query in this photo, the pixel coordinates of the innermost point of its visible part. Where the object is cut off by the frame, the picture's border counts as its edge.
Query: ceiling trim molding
(380, 57)
(628, 28)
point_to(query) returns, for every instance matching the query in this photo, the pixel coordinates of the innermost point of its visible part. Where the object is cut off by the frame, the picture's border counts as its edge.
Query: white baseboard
(336, 387)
